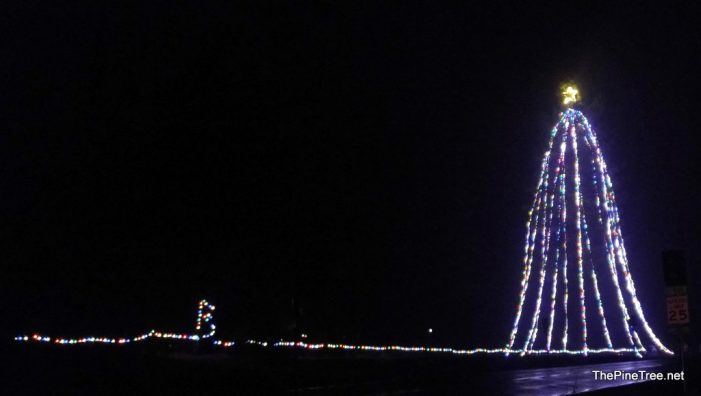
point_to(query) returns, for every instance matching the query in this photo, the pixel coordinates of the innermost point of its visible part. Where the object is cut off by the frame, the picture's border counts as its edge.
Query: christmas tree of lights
(574, 225)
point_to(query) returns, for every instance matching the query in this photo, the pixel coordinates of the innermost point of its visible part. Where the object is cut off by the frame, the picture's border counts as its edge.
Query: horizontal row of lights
(107, 340)
(205, 318)
(399, 348)
(312, 346)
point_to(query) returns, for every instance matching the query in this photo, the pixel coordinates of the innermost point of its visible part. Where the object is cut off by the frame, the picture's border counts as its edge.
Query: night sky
(373, 163)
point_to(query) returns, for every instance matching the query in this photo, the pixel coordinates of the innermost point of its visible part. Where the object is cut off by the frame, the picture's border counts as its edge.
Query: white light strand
(620, 249)
(580, 263)
(544, 253)
(530, 236)
(563, 224)
(610, 258)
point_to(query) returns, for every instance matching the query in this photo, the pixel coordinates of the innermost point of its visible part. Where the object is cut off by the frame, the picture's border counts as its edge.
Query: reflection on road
(575, 379)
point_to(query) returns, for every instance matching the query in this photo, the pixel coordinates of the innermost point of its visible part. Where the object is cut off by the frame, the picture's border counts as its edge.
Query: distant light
(304, 335)
(430, 331)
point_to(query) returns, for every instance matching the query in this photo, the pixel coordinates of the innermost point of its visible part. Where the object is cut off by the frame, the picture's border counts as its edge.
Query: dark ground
(156, 369)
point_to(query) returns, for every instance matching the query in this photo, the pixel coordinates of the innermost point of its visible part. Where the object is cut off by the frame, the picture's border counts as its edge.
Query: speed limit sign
(674, 262)
(677, 310)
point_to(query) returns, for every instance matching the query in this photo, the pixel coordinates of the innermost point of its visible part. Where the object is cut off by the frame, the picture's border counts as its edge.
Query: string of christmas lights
(532, 226)
(618, 245)
(205, 316)
(580, 262)
(545, 247)
(559, 187)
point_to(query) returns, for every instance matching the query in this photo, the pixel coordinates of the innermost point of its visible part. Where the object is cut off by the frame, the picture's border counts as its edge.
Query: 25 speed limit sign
(677, 310)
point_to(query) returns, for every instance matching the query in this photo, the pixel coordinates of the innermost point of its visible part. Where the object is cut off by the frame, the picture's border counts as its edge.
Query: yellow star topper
(570, 95)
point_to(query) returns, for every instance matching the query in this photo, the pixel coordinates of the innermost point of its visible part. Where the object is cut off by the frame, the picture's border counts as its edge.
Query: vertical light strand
(198, 322)
(595, 281)
(578, 222)
(611, 215)
(603, 191)
(630, 286)
(587, 241)
(545, 249)
(563, 225)
(531, 226)
(553, 292)
(622, 259)
(559, 187)
(544, 237)
(597, 199)
(599, 219)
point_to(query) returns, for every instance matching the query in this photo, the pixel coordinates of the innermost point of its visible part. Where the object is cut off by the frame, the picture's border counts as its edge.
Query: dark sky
(373, 161)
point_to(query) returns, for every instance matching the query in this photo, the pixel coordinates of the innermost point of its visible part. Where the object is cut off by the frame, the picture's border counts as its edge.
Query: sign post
(677, 309)
(674, 262)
